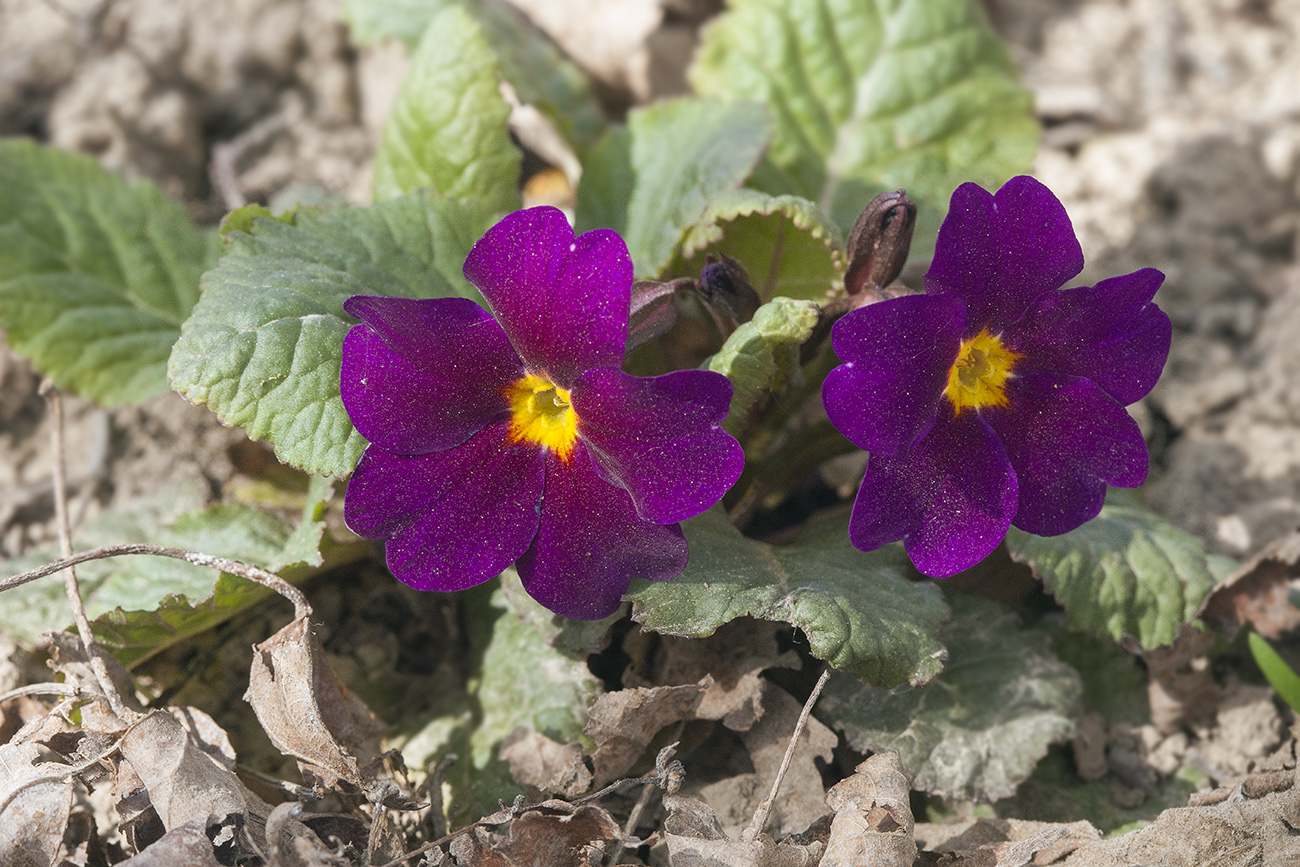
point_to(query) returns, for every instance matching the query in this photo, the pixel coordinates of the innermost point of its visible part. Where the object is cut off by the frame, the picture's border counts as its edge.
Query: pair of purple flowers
(514, 437)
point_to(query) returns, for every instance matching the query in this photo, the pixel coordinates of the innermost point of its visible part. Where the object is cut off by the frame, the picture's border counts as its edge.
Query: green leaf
(1280, 675)
(608, 179)
(872, 96)
(1127, 572)
(447, 130)
(977, 731)
(517, 680)
(1114, 681)
(859, 610)
(539, 72)
(303, 544)
(96, 274)
(785, 243)
(264, 344)
(373, 21)
(762, 355)
(682, 154)
(42, 605)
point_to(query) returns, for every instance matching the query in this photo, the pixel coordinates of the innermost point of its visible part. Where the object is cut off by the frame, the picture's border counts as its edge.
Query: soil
(1171, 134)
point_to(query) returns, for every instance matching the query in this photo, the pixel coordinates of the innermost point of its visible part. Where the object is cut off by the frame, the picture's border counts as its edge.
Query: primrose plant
(623, 407)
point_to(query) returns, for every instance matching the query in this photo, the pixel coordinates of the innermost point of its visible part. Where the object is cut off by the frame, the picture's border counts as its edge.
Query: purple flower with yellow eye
(517, 438)
(996, 398)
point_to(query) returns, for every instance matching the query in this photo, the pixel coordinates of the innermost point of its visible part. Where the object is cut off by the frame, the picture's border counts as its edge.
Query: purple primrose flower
(517, 439)
(995, 398)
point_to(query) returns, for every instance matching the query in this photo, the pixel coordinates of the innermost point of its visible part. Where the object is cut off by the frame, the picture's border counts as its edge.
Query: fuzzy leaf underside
(859, 610)
(96, 274)
(977, 731)
(873, 95)
(264, 344)
(1127, 572)
(785, 243)
(447, 131)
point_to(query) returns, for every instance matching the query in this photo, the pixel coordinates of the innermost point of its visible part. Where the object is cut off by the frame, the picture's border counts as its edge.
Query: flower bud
(724, 288)
(880, 241)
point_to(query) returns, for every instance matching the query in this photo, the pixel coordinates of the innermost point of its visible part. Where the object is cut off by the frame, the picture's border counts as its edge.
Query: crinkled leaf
(762, 355)
(785, 243)
(976, 731)
(1126, 572)
(517, 679)
(680, 155)
(447, 130)
(532, 63)
(96, 274)
(872, 96)
(265, 342)
(859, 610)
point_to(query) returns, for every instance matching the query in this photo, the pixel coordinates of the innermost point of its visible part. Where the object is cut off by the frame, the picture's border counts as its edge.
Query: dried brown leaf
(184, 783)
(183, 846)
(735, 656)
(1258, 592)
(35, 800)
(623, 723)
(873, 817)
(295, 850)
(550, 834)
(695, 839)
(802, 797)
(308, 713)
(537, 761)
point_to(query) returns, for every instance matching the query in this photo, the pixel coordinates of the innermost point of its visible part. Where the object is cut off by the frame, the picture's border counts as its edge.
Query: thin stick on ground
(232, 567)
(765, 809)
(93, 651)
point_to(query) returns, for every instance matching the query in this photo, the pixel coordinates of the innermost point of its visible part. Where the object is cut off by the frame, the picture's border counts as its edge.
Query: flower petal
(423, 376)
(452, 519)
(1111, 333)
(1000, 252)
(950, 499)
(563, 302)
(896, 356)
(658, 438)
(591, 544)
(1067, 440)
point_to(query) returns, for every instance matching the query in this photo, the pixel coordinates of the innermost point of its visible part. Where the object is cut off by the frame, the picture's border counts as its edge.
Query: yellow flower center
(979, 376)
(542, 413)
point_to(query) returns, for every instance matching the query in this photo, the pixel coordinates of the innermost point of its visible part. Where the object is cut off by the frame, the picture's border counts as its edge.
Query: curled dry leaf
(183, 846)
(735, 656)
(308, 713)
(35, 799)
(1258, 592)
(873, 817)
(623, 723)
(551, 834)
(695, 839)
(537, 761)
